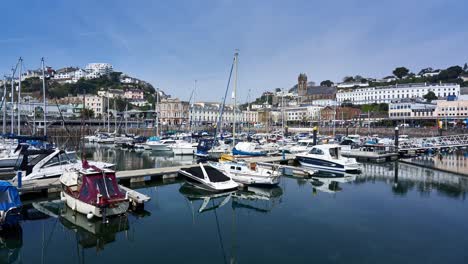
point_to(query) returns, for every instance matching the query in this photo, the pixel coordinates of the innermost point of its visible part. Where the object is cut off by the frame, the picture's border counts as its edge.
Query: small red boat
(93, 191)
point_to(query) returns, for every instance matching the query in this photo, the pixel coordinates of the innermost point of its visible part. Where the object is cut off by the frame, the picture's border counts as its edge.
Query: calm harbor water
(391, 213)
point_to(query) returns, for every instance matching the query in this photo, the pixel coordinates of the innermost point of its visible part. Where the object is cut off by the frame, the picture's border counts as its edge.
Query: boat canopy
(100, 184)
(9, 196)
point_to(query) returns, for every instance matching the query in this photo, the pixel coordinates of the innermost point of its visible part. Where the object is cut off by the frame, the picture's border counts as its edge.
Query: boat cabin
(327, 151)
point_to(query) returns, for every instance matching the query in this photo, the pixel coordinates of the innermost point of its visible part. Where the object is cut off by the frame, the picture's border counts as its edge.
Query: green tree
(430, 96)
(400, 72)
(450, 73)
(348, 79)
(465, 67)
(326, 83)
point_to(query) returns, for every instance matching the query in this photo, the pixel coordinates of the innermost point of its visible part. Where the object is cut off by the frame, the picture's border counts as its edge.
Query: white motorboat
(49, 163)
(161, 145)
(105, 138)
(302, 145)
(93, 191)
(182, 148)
(328, 157)
(248, 173)
(123, 139)
(208, 178)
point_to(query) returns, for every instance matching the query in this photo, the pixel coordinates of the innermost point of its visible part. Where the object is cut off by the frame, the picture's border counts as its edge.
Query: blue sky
(173, 43)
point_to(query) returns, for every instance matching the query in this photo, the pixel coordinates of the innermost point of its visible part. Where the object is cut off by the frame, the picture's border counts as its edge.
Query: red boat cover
(103, 184)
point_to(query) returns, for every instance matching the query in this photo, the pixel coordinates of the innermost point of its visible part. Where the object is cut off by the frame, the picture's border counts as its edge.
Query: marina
(233, 132)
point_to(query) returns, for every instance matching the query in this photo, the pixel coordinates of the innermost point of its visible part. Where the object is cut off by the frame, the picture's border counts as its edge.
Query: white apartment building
(203, 113)
(388, 94)
(99, 68)
(302, 113)
(95, 103)
(403, 110)
(249, 117)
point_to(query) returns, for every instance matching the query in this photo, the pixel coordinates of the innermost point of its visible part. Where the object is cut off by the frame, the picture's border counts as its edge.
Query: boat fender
(62, 197)
(89, 216)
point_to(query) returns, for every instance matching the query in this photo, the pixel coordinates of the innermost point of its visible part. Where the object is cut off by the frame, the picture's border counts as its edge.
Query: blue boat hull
(246, 153)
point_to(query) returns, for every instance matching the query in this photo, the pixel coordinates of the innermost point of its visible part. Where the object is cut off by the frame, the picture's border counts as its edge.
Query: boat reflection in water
(11, 241)
(193, 193)
(257, 199)
(324, 183)
(89, 233)
(239, 198)
(93, 233)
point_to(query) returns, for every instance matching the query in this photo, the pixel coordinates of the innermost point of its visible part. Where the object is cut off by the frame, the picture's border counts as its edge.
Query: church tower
(302, 84)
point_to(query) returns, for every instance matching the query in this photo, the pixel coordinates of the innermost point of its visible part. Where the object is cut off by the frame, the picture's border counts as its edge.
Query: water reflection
(93, 233)
(405, 177)
(456, 161)
(245, 198)
(128, 159)
(329, 185)
(11, 241)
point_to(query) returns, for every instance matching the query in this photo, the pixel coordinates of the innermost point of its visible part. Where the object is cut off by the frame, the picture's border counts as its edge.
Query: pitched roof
(311, 90)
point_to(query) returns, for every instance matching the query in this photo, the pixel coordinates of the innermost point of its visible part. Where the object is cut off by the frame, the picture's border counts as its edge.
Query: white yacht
(208, 178)
(50, 163)
(161, 145)
(248, 173)
(302, 145)
(328, 157)
(182, 148)
(105, 138)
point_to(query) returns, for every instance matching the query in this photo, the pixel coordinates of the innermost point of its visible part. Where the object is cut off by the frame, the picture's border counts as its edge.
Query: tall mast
(12, 100)
(115, 117)
(236, 55)
(44, 97)
(4, 105)
(108, 115)
(126, 123)
(19, 95)
(192, 102)
(157, 112)
(282, 114)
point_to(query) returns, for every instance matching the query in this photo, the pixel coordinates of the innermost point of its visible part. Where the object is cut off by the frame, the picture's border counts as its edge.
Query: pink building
(134, 94)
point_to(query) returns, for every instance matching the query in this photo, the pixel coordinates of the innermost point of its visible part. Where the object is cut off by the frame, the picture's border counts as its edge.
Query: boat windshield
(101, 187)
(36, 159)
(316, 151)
(335, 153)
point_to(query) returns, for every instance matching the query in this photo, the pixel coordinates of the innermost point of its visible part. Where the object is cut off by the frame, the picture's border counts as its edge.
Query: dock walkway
(52, 185)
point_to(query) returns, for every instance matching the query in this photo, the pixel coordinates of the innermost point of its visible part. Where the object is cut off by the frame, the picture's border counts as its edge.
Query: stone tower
(302, 84)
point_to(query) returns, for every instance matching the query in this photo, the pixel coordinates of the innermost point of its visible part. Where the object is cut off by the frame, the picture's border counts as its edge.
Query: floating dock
(373, 156)
(52, 185)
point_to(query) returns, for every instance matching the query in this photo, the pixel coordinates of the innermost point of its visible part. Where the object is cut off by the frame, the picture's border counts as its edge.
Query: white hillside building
(387, 94)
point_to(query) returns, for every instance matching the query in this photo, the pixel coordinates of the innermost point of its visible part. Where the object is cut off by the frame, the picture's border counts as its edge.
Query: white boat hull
(183, 151)
(85, 208)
